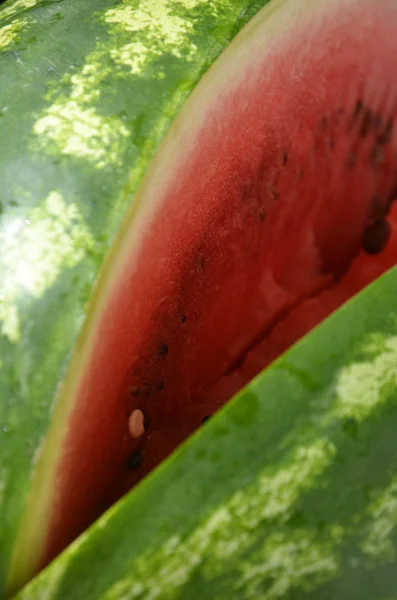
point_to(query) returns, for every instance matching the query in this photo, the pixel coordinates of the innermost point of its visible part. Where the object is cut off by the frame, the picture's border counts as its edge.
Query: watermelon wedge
(268, 205)
(87, 91)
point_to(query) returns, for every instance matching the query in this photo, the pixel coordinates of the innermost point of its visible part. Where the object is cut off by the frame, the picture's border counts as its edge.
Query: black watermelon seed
(204, 419)
(376, 236)
(161, 385)
(366, 122)
(183, 318)
(163, 349)
(284, 159)
(261, 214)
(135, 391)
(134, 461)
(358, 108)
(147, 390)
(202, 263)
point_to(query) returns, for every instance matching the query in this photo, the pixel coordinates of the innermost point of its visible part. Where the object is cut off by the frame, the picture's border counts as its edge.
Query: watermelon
(87, 91)
(268, 205)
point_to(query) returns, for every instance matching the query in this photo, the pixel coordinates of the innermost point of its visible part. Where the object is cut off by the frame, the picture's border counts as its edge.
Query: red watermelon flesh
(269, 204)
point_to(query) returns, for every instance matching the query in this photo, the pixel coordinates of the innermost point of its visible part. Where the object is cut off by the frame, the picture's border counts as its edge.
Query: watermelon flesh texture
(267, 208)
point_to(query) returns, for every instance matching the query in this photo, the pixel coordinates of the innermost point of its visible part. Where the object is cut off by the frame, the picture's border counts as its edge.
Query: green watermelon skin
(87, 90)
(289, 492)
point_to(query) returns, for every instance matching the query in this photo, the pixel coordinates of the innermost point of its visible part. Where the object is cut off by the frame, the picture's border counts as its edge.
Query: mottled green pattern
(87, 90)
(288, 493)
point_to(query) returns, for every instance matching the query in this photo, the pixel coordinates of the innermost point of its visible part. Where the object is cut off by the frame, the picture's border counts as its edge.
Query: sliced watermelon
(87, 90)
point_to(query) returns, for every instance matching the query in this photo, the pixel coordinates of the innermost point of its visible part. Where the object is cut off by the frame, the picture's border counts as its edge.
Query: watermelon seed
(331, 143)
(261, 214)
(136, 423)
(284, 159)
(160, 386)
(366, 122)
(358, 108)
(135, 391)
(134, 461)
(183, 318)
(376, 236)
(147, 390)
(204, 419)
(163, 349)
(202, 263)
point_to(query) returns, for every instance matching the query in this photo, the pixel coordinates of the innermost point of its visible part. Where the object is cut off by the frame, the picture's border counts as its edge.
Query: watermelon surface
(87, 90)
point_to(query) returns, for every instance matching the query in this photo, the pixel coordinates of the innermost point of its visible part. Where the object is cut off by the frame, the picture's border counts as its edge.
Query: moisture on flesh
(270, 204)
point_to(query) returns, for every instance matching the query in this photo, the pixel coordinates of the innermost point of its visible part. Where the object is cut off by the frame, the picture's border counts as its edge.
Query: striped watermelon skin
(288, 492)
(87, 91)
